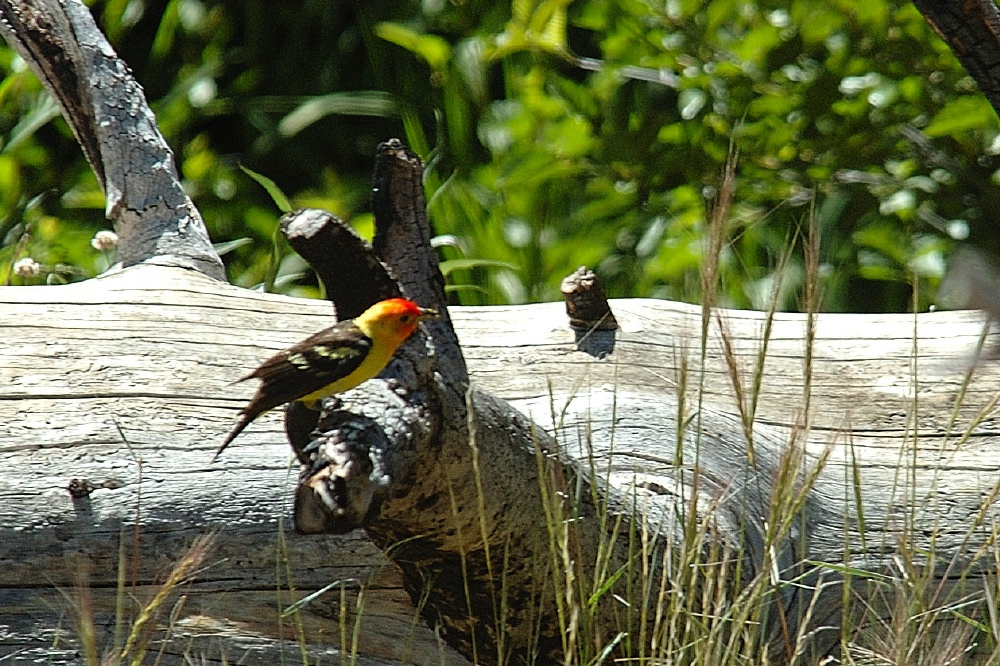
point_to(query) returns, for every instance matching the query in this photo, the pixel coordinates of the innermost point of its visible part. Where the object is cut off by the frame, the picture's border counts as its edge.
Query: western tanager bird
(335, 359)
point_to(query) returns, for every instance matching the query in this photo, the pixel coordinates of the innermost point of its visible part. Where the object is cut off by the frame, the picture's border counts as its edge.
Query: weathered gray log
(151, 351)
(115, 399)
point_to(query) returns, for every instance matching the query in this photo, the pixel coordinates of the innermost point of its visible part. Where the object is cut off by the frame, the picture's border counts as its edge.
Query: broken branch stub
(586, 303)
(403, 242)
(353, 276)
(402, 230)
(589, 313)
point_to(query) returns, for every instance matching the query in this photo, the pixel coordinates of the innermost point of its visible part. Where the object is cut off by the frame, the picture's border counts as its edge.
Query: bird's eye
(404, 319)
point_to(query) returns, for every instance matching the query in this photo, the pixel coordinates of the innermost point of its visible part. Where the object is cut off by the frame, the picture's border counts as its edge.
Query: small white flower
(104, 240)
(27, 267)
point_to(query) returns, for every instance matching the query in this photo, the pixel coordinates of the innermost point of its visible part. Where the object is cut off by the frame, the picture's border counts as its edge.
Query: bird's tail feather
(241, 424)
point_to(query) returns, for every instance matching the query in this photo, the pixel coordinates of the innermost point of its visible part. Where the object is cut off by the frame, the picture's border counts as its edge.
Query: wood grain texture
(85, 365)
(126, 381)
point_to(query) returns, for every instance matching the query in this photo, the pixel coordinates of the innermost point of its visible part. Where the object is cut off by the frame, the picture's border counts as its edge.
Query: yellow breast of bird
(372, 365)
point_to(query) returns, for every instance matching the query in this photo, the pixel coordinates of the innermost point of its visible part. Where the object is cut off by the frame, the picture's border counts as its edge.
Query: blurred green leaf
(961, 115)
(279, 198)
(434, 50)
(452, 265)
(361, 103)
(222, 249)
(42, 114)
(550, 23)
(273, 267)
(460, 288)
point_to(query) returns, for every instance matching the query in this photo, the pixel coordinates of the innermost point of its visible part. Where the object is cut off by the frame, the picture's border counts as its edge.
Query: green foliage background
(557, 133)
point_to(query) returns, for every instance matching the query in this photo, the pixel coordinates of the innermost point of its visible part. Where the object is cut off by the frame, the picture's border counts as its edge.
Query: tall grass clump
(676, 587)
(151, 623)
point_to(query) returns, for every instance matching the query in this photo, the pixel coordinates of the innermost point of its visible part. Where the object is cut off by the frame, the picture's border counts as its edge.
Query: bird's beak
(428, 313)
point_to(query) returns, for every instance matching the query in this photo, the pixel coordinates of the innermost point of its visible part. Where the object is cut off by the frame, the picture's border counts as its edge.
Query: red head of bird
(393, 320)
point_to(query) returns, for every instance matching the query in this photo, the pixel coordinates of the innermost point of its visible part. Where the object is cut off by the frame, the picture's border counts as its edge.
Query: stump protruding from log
(351, 458)
(355, 279)
(589, 312)
(403, 242)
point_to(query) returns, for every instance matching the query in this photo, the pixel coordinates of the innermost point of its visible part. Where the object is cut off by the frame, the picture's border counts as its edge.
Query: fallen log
(125, 382)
